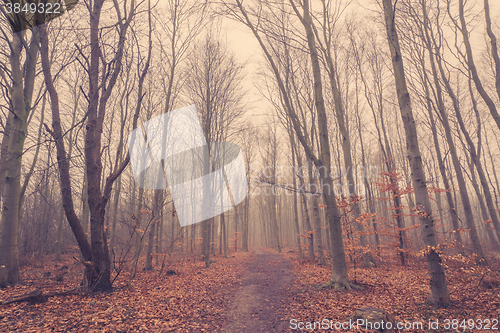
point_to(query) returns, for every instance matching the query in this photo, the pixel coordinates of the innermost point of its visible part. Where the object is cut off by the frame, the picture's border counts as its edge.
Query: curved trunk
(472, 66)
(469, 217)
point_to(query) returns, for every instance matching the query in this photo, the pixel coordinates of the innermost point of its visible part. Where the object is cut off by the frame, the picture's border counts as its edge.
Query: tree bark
(295, 199)
(317, 221)
(62, 160)
(340, 111)
(9, 257)
(482, 206)
(442, 168)
(439, 290)
(305, 212)
(157, 207)
(469, 217)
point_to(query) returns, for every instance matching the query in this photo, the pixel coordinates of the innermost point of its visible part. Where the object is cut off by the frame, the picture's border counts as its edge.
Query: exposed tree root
(340, 285)
(36, 296)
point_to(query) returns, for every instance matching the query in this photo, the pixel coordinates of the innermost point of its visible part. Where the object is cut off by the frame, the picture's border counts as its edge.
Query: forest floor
(259, 302)
(259, 291)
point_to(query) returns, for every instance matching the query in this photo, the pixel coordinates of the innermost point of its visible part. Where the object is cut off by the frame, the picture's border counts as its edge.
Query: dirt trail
(257, 303)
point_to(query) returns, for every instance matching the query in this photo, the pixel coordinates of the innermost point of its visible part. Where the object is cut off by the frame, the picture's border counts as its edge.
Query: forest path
(256, 305)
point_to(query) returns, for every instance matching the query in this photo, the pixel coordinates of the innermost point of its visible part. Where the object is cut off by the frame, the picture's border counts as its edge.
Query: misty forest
(367, 141)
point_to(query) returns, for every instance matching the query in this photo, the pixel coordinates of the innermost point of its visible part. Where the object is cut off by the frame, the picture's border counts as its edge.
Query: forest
(249, 165)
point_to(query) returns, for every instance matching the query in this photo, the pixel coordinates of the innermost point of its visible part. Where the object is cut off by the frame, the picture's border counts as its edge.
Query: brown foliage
(191, 300)
(400, 291)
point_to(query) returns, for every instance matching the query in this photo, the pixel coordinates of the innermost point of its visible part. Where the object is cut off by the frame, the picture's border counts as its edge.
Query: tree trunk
(21, 94)
(244, 232)
(157, 207)
(317, 221)
(205, 246)
(474, 154)
(4, 150)
(482, 206)
(439, 290)
(472, 66)
(442, 168)
(9, 255)
(348, 189)
(225, 235)
(114, 218)
(494, 46)
(62, 160)
(493, 168)
(339, 278)
(305, 212)
(295, 199)
(469, 217)
(60, 219)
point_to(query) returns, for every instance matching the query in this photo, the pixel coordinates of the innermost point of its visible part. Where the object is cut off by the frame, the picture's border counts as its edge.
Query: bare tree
(494, 46)
(101, 84)
(339, 277)
(439, 290)
(213, 83)
(462, 27)
(21, 92)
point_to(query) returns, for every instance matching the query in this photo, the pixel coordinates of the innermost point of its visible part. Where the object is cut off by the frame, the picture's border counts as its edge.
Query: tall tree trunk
(474, 154)
(114, 218)
(482, 206)
(472, 66)
(377, 107)
(305, 212)
(274, 222)
(225, 235)
(136, 224)
(272, 199)
(493, 168)
(339, 277)
(369, 194)
(205, 246)
(494, 46)
(61, 212)
(442, 168)
(4, 150)
(62, 160)
(157, 207)
(85, 217)
(21, 93)
(439, 290)
(440, 208)
(469, 217)
(349, 189)
(317, 221)
(159, 236)
(295, 199)
(244, 232)
(59, 239)
(236, 220)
